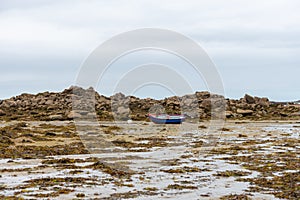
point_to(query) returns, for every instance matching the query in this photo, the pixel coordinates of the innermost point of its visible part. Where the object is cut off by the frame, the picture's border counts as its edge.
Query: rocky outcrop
(76, 102)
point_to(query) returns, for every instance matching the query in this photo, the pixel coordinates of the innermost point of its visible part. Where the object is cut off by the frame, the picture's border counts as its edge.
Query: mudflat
(142, 160)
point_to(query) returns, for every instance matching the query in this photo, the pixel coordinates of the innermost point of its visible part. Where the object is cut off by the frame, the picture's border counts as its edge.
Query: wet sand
(141, 160)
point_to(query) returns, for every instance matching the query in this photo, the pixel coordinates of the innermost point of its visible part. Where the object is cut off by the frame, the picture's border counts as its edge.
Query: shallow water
(150, 168)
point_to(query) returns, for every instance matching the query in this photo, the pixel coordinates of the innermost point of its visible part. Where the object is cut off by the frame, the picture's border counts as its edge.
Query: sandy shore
(141, 160)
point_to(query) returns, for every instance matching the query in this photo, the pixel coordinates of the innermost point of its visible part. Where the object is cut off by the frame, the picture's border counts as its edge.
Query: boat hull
(173, 120)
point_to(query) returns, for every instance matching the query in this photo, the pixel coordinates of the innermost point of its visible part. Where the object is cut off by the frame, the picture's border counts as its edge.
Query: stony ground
(141, 160)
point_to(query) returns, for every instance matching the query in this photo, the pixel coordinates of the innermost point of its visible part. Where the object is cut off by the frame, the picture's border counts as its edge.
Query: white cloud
(232, 31)
(80, 23)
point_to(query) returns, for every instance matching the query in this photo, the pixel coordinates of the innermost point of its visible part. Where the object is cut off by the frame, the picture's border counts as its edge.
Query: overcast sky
(255, 45)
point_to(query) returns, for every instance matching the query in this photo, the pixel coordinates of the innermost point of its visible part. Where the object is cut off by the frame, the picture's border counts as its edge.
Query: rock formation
(77, 102)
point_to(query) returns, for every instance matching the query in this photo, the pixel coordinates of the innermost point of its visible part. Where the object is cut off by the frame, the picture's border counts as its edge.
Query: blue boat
(166, 119)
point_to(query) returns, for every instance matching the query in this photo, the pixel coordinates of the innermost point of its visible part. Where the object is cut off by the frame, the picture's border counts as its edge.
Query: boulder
(122, 110)
(188, 102)
(49, 102)
(202, 95)
(73, 114)
(283, 114)
(172, 102)
(8, 103)
(55, 117)
(92, 115)
(228, 114)
(118, 96)
(218, 102)
(295, 114)
(192, 114)
(231, 102)
(2, 112)
(264, 102)
(244, 112)
(206, 104)
(249, 99)
(242, 105)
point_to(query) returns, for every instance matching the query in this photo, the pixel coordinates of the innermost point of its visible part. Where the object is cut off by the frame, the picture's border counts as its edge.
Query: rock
(122, 110)
(78, 91)
(55, 117)
(171, 102)
(2, 113)
(83, 112)
(218, 102)
(231, 102)
(295, 114)
(283, 114)
(249, 99)
(264, 102)
(188, 102)
(5, 140)
(228, 114)
(242, 135)
(258, 115)
(49, 102)
(73, 115)
(91, 115)
(202, 95)
(8, 103)
(118, 96)
(206, 104)
(83, 102)
(242, 105)
(244, 112)
(41, 101)
(192, 114)
(50, 134)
